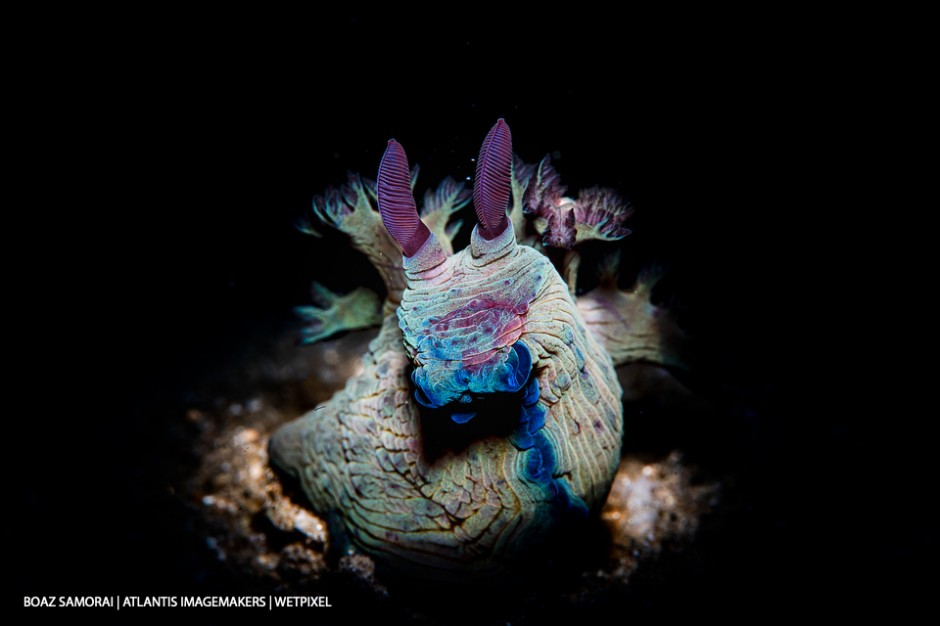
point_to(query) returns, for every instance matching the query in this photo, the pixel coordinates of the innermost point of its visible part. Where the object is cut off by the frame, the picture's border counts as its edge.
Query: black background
(165, 167)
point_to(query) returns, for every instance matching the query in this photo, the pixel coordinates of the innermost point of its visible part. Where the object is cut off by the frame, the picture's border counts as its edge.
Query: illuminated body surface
(488, 413)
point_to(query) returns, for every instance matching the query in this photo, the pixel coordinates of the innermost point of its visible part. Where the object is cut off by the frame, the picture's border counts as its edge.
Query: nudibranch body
(487, 413)
(497, 320)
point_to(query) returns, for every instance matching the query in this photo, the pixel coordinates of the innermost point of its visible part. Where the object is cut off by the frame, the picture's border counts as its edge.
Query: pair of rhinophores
(488, 412)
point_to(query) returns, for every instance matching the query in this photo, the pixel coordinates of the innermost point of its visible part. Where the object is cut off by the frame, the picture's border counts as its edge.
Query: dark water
(208, 164)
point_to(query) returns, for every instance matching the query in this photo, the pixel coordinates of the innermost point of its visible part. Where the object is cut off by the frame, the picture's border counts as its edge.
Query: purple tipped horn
(396, 204)
(492, 185)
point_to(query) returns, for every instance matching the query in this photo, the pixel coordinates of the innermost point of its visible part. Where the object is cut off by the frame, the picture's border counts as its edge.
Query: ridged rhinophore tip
(396, 204)
(492, 186)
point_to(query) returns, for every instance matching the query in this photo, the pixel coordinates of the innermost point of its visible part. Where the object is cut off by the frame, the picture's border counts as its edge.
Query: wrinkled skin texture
(487, 414)
(363, 455)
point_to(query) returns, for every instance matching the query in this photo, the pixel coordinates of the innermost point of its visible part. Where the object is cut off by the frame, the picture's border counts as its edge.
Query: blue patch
(520, 365)
(531, 417)
(439, 387)
(522, 440)
(532, 396)
(540, 460)
(462, 418)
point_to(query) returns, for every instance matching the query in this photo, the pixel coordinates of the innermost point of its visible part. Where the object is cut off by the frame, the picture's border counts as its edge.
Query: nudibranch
(488, 412)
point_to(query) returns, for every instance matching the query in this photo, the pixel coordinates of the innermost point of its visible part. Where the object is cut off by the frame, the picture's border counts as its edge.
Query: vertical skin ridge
(396, 203)
(492, 185)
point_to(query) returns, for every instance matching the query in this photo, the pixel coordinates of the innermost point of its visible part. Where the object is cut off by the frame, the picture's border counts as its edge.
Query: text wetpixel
(289, 602)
